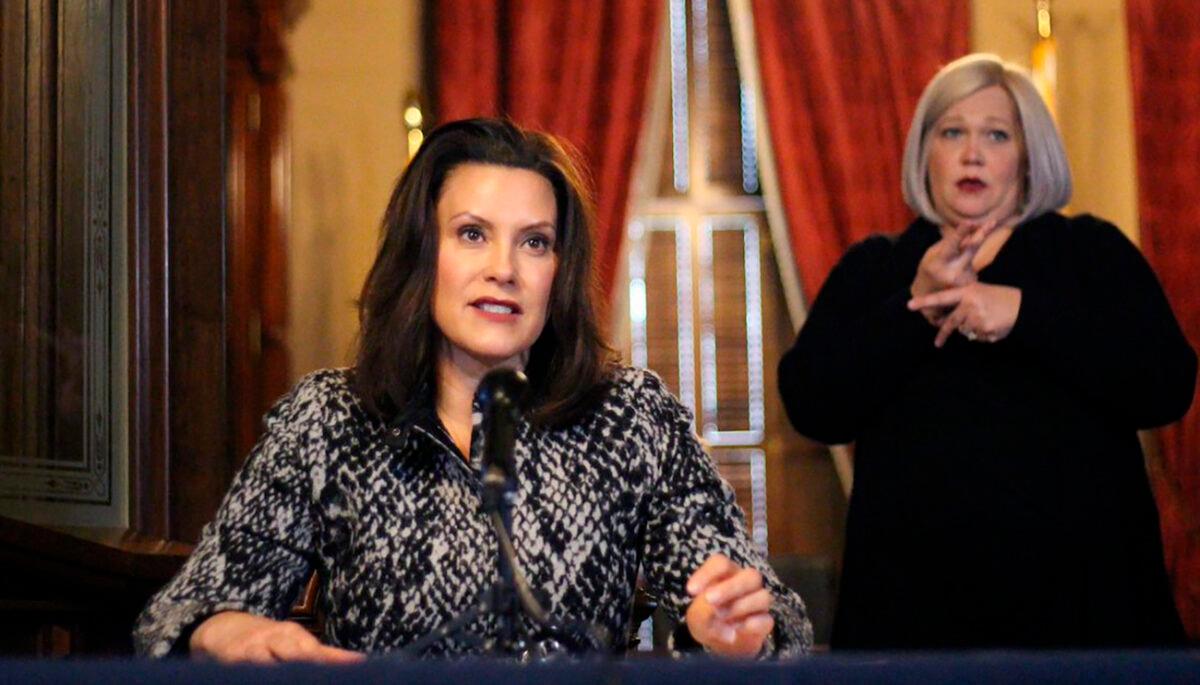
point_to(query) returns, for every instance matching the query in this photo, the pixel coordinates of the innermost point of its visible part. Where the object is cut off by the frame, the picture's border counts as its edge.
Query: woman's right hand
(236, 636)
(947, 263)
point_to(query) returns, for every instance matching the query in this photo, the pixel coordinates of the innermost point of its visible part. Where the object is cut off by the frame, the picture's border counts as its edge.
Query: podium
(1018, 668)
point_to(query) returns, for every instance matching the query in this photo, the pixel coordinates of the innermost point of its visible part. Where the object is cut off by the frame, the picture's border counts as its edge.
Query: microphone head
(502, 388)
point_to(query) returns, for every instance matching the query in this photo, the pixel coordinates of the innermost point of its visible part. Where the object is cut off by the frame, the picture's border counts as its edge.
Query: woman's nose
(500, 266)
(972, 151)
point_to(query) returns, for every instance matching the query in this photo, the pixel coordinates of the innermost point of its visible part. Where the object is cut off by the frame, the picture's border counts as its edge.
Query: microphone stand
(497, 497)
(509, 596)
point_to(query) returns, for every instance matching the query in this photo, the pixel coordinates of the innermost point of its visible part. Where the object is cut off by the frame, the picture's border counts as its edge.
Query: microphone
(499, 396)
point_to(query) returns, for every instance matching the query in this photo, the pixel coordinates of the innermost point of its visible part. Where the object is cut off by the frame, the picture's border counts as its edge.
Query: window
(703, 302)
(695, 247)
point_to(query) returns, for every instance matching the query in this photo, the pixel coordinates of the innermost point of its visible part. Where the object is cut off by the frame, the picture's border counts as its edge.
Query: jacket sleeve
(858, 345)
(693, 515)
(1097, 316)
(256, 553)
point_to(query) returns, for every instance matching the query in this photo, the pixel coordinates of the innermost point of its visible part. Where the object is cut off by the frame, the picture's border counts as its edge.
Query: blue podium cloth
(1019, 668)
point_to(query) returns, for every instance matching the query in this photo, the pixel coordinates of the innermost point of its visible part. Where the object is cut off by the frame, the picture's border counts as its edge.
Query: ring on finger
(968, 333)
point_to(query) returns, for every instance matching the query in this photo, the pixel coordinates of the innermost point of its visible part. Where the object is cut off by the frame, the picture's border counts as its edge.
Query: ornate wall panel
(63, 207)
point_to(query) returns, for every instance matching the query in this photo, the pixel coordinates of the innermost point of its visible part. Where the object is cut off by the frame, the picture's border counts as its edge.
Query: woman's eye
(538, 242)
(951, 132)
(999, 136)
(471, 234)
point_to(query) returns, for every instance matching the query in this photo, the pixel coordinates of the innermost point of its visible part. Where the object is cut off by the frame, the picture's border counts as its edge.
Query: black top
(1000, 496)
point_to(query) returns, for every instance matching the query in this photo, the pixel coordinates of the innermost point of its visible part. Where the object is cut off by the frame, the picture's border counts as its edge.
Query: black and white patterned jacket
(394, 526)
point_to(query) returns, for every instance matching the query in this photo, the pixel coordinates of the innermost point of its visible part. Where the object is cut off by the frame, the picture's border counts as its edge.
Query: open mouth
(496, 306)
(970, 185)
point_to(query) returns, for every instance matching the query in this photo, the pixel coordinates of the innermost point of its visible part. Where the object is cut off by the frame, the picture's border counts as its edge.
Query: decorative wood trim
(179, 453)
(201, 465)
(259, 172)
(149, 409)
(62, 217)
(78, 590)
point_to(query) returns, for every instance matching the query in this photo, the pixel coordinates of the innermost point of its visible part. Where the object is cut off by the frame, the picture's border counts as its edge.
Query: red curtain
(841, 81)
(577, 69)
(1164, 56)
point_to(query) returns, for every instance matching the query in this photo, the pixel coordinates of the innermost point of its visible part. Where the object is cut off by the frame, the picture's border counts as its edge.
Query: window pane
(661, 302)
(725, 118)
(731, 331)
(745, 469)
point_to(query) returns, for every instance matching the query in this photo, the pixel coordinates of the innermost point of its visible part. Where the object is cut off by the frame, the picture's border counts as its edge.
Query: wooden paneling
(180, 453)
(15, 363)
(259, 173)
(76, 591)
(59, 99)
(149, 401)
(201, 465)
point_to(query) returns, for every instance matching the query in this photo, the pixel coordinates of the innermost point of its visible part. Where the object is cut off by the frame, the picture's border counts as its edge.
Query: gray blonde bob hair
(1048, 176)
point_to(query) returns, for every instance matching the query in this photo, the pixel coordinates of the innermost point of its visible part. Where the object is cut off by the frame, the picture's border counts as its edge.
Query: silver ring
(968, 334)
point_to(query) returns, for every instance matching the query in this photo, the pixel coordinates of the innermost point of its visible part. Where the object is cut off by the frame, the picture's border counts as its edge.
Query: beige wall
(353, 63)
(1094, 101)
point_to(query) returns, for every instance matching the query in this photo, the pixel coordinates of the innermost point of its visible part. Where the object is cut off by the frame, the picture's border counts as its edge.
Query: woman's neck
(458, 377)
(454, 394)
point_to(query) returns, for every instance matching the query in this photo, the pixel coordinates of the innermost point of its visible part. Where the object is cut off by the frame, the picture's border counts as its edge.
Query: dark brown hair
(399, 341)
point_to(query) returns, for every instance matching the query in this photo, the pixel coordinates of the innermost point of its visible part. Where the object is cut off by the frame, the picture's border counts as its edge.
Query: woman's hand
(947, 263)
(980, 311)
(730, 612)
(233, 636)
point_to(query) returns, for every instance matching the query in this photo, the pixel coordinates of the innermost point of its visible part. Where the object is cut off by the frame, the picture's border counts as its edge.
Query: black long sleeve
(1000, 496)
(859, 343)
(1100, 320)
(1092, 313)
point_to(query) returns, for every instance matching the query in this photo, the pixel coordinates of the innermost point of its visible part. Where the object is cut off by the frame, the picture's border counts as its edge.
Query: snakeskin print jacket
(390, 516)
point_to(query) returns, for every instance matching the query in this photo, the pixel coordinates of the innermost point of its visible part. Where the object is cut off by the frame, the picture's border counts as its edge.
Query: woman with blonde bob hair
(1011, 354)
(1047, 174)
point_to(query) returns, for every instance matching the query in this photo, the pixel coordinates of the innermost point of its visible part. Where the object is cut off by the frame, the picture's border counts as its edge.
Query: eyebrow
(475, 217)
(472, 217)
(987, 120)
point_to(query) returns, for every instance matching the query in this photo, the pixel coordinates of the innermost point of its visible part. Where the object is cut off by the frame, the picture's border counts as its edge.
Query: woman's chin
(493, 358)
(956, 218)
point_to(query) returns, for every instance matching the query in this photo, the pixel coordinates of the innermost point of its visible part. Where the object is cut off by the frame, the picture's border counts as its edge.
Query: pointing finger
(951, 323)
(942, 298)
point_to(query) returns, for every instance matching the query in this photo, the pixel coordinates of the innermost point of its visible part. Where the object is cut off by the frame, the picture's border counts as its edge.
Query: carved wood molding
(63, 99)
(180, 458)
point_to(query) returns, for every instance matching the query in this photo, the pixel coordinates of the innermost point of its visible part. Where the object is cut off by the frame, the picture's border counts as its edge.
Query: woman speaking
(371, 474)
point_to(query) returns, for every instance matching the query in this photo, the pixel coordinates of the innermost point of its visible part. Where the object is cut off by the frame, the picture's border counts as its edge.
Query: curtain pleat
(840, 83)
(576, 69)
(1164, 47)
